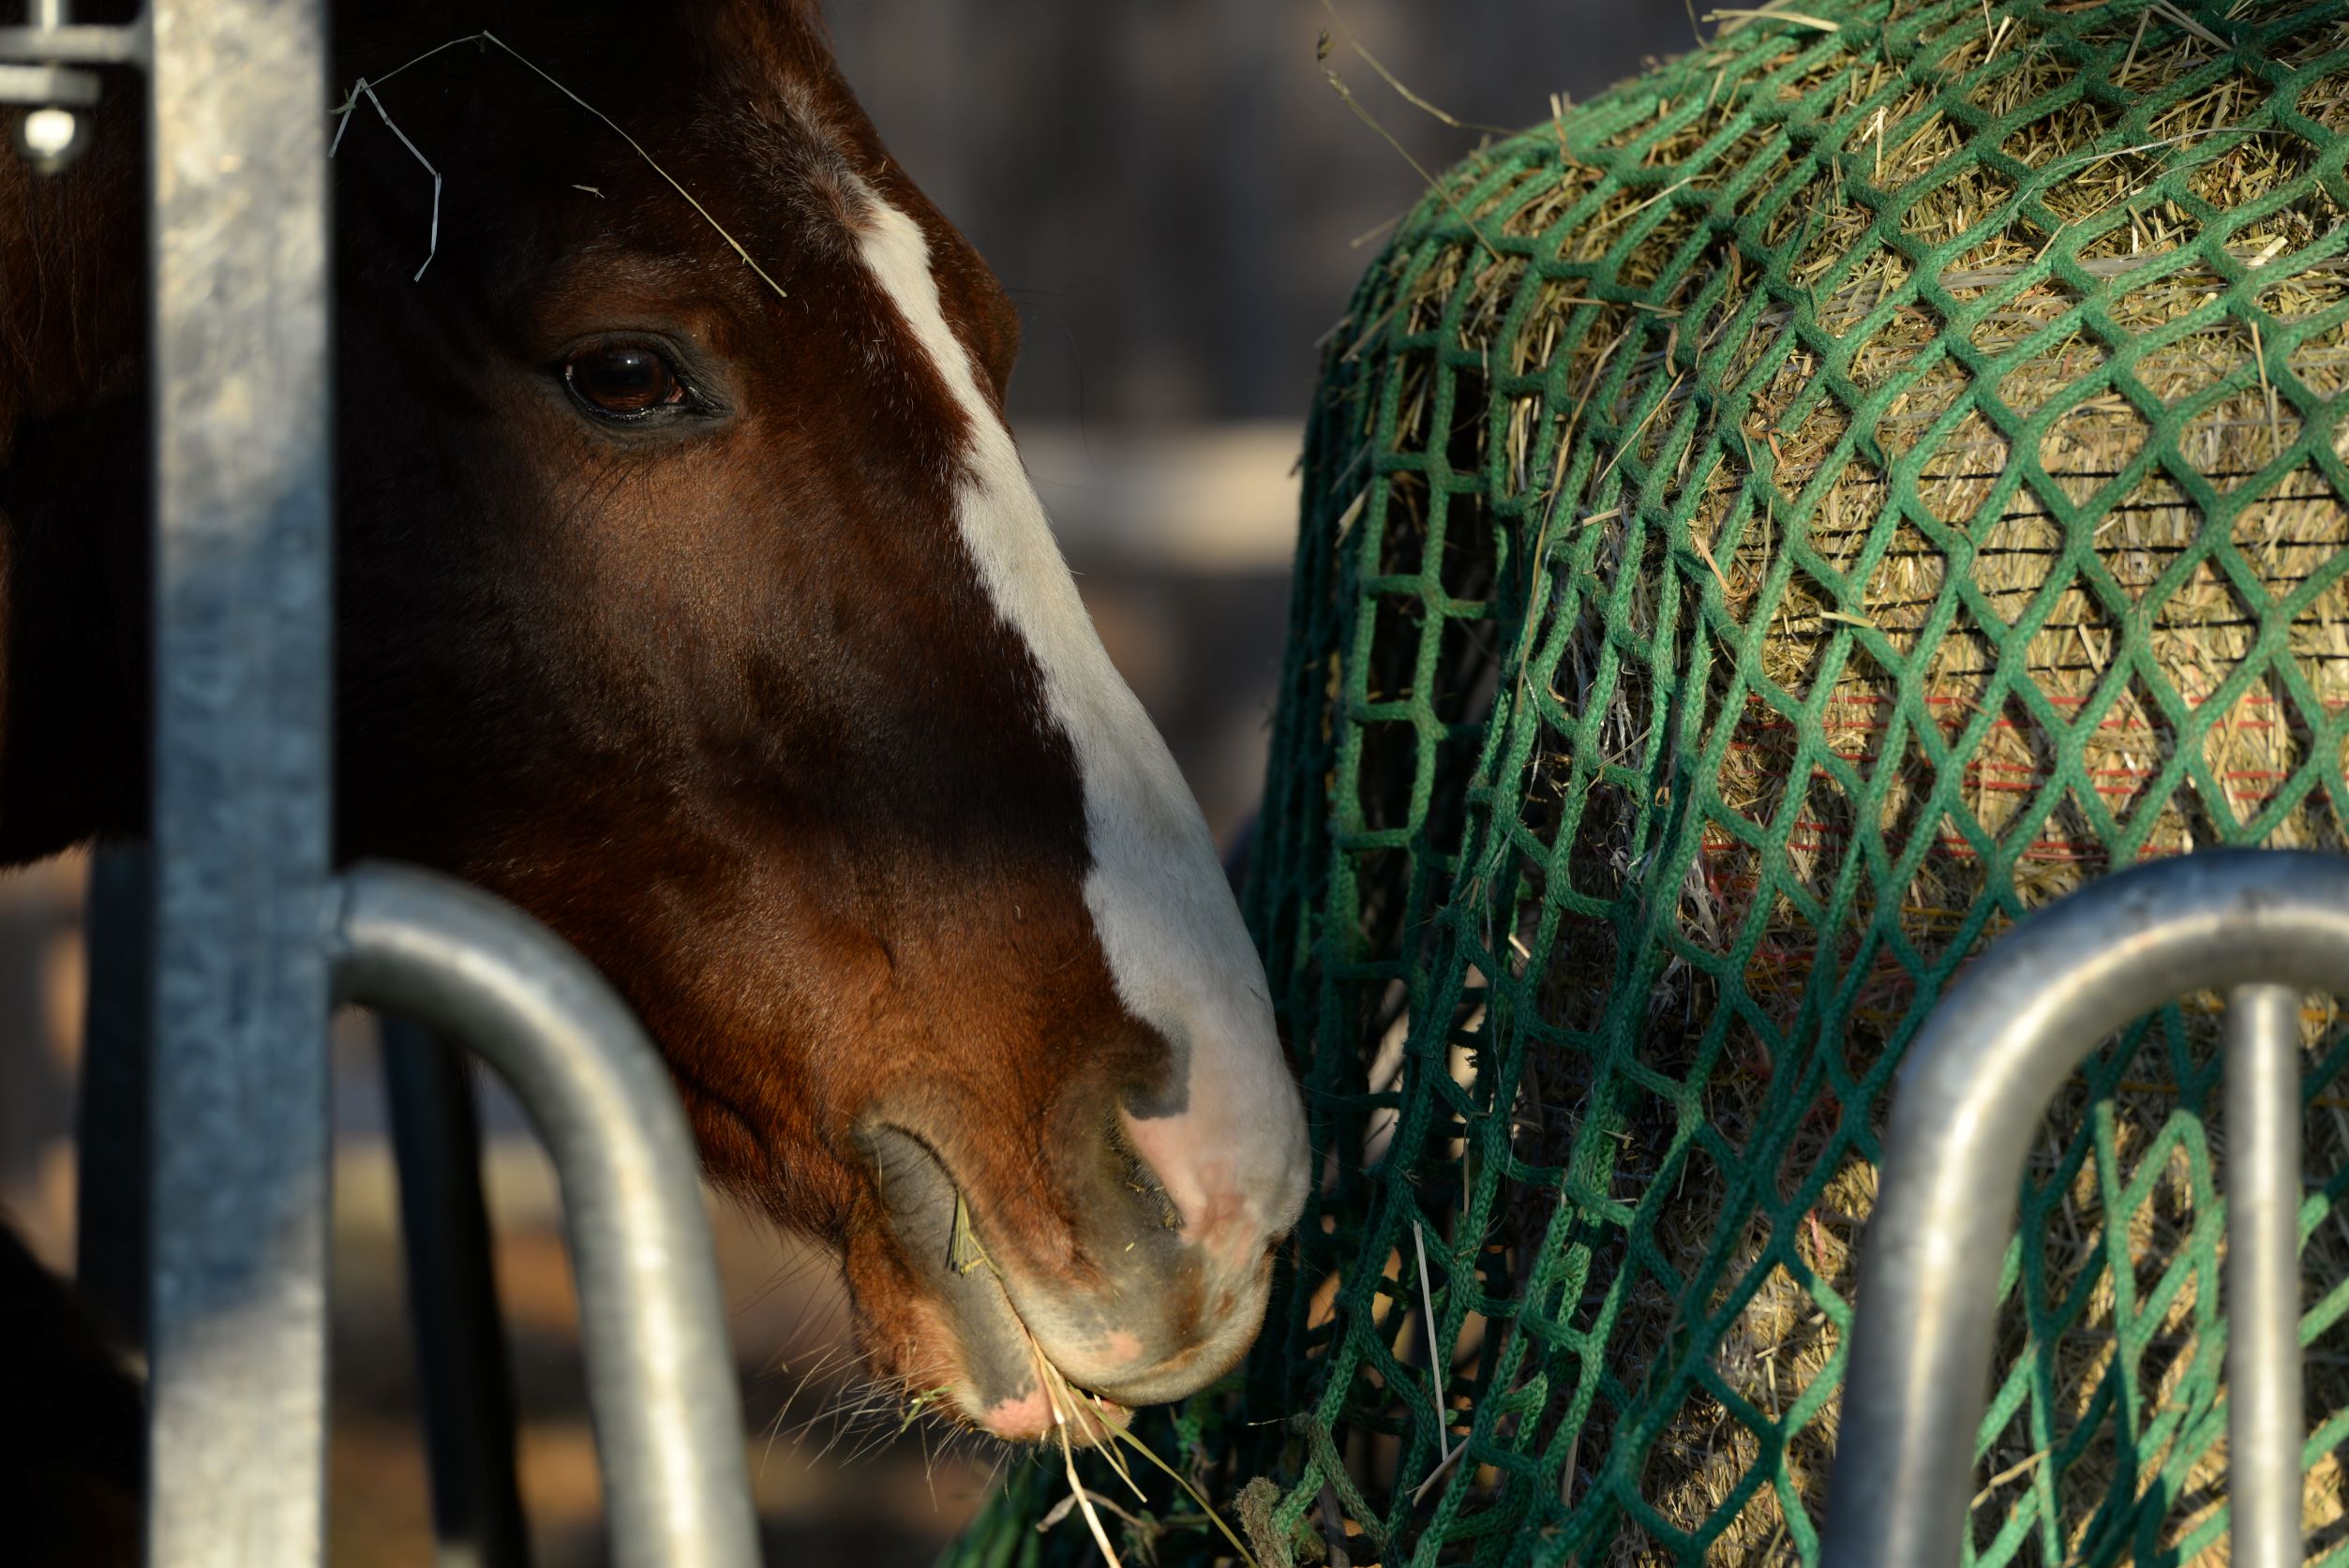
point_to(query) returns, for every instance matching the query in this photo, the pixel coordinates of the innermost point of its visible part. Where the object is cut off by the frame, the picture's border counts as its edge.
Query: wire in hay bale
(1764, 532)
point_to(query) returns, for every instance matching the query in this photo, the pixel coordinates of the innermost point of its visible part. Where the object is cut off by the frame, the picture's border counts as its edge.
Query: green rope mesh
(1763, 532)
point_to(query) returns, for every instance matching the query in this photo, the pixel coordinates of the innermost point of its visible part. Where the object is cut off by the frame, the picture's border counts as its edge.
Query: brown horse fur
(720, 698)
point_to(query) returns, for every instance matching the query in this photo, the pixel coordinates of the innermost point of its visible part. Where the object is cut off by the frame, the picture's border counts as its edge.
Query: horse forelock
(786, 110)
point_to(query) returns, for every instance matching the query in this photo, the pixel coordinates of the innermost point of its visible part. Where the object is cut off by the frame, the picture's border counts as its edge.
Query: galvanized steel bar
(2262, 1178)
(465, 1377)
(49, 36)
(241, 809)
(667, 1415)
(82, 45)
(1969, 1098)
(47, 85)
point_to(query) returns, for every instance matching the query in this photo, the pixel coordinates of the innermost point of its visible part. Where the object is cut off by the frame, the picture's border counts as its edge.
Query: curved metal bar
(1970, 1095)
(668, 1418)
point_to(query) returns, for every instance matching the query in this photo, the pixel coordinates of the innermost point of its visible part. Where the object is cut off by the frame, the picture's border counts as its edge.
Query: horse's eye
(623, 381)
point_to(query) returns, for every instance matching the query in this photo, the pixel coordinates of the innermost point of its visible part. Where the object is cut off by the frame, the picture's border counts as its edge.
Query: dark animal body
(702, 609)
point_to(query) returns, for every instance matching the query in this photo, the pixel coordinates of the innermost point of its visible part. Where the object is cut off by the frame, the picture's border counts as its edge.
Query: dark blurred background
(1180, 202)
(1170, 189)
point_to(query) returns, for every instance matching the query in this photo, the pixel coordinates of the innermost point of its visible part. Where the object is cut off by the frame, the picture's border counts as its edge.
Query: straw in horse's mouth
(920, 1192)
(1111, 1425)
(931, 1217)
(1094, 1417)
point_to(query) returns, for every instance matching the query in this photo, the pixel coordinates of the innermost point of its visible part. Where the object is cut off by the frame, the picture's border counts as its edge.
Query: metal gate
(216, 966)
(2262, 925)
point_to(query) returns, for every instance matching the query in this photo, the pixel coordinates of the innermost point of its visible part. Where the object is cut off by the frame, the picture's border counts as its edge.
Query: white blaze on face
(1234, 1151)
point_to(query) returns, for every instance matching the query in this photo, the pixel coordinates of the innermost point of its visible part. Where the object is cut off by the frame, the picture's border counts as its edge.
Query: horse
(692, 596)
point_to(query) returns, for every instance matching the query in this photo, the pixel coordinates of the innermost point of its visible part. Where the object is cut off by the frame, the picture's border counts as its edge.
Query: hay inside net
(1766, 530)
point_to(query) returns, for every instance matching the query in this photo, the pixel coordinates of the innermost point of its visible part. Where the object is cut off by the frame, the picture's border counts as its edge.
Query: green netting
(1765, 531)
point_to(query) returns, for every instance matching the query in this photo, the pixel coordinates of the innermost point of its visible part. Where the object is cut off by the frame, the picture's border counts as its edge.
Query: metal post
(467, 1384)
(1969, 1098)
(110, 1187)
(2261, 1177)
(668, 1418)
(241, 810)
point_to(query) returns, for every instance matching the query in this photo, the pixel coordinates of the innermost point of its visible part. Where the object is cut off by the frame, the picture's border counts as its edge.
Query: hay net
(1763, 533)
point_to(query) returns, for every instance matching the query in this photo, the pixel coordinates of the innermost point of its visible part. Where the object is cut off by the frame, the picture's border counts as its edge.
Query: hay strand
(351, 99)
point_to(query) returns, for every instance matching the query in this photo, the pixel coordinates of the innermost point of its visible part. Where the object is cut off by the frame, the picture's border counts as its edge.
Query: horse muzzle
(1134, 1307)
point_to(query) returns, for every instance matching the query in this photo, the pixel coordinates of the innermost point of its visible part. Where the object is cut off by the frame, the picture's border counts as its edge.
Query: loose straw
(367, 88)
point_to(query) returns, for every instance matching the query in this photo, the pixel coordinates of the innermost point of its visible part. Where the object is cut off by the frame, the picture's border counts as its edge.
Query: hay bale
(1767, 529)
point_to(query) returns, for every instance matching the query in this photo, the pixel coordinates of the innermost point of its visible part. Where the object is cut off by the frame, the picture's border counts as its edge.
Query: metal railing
(250, 936)
(668, 1420)
(2264, 926)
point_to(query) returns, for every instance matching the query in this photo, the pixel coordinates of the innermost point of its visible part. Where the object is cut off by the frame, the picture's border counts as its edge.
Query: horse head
(692, 596)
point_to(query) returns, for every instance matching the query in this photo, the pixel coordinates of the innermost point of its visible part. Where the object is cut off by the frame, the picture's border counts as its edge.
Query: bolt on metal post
(57, 98)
